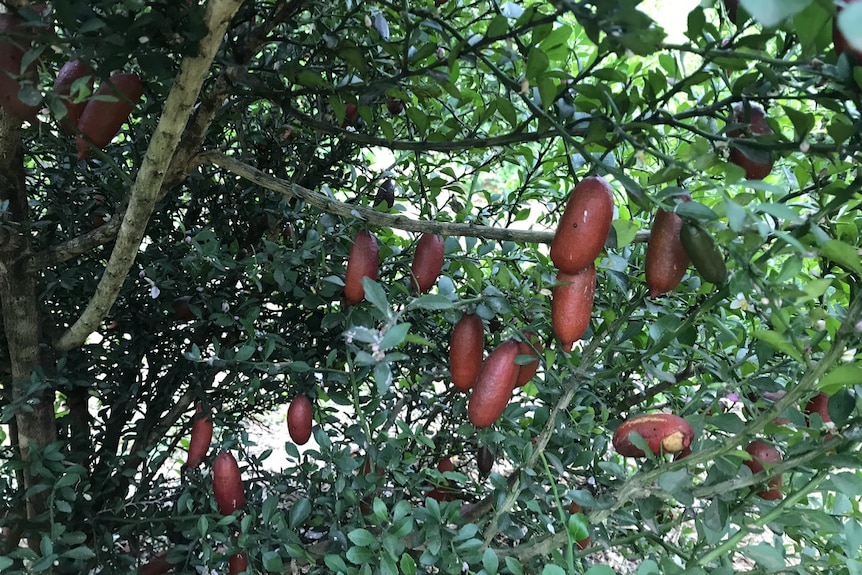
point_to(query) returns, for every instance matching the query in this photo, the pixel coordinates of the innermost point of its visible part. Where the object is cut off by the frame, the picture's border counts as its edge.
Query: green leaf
(778, 342)
(803, 123)
(553, 570)
(852, 536)
(578, 526)
(80, 553)
(780, 211)
(600, 570)
(382, 377)
(394, 336)
(695, 211)
(431, 302)
(847, 483)
(537, 63)
(766, 556)
(362, 537)
(773, 12)
(299, 512)
(335, 563)
(490, 561)
(843, 376)
(407, 564)
(374, 293)
(360, 555)
(841, 406)
(842, 254)
(626, 230)
(272, 562)
(648, 567)
(514, 566)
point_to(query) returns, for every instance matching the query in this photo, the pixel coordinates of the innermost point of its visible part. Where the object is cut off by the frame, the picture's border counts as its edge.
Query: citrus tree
(535, 289)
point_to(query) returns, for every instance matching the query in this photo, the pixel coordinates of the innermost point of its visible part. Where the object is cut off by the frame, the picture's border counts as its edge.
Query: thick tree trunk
(19, 293)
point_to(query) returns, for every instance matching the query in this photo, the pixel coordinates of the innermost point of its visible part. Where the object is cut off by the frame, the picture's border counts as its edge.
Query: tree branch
(373, 217)
(148, 184)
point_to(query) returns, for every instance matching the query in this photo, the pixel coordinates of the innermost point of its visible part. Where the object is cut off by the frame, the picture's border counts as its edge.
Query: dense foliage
(318, 121)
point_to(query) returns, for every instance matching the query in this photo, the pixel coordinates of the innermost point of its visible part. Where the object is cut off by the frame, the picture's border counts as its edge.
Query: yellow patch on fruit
(673, 442)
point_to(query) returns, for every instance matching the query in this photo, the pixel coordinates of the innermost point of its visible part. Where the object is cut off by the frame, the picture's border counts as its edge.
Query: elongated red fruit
(202, 435)
(663, 432)
(362, 262)
(484, 461)
(443, 492)
(761, 453)
(227, 484)
(466, 350)
(11, 56)
(427, 262)
(494, 385)
(582, 543)
(584, 226)
(101, 120)
(666, 259)
(70, 72)
(572, 305)
(819, 404)
(756, 163)
(299, 419)
(528, 370)
(238, 563)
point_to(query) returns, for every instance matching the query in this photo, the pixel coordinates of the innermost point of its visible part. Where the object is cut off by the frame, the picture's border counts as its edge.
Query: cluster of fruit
(764, 453)
(364, 262)
(227, 484)
(94, 120)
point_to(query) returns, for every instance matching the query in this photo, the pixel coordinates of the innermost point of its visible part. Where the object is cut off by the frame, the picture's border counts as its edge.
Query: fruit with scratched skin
(72, 71)
(494, 384)
(840, 42)
(761, 452)
(427, 262)
(583, 228)
(663, 433)
(227, 484)
(572, 305)
(466, 349)
(202, 435)
(756, 163)
(299, 419)
(362, 262)
(101, 120)
(12, 47)
(528, 370)
(704, 254)
(666, 259)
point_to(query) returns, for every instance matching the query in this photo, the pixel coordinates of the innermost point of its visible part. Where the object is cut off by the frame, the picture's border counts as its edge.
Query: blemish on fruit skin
(674, 442)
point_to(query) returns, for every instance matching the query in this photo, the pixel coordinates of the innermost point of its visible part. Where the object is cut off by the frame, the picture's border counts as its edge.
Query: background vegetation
(265, 132)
